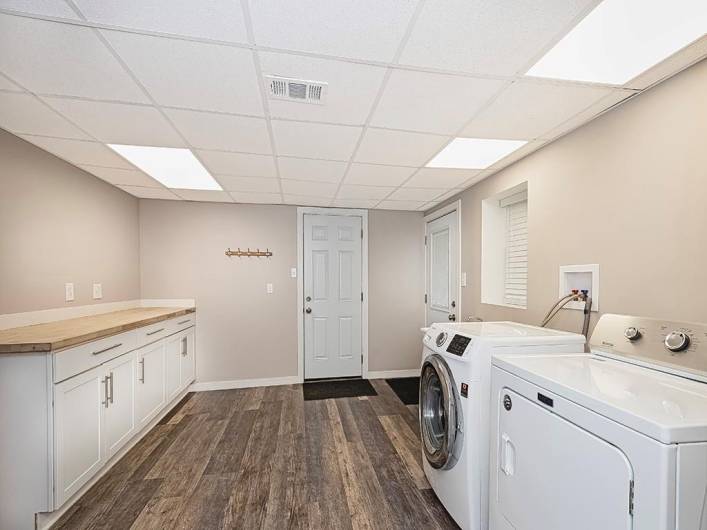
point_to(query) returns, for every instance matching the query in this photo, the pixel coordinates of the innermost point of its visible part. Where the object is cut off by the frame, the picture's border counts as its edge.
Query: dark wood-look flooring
(265, 458)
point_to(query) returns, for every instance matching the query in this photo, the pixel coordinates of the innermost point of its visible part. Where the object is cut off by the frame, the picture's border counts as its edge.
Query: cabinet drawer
(183, 322)
(153, 332)
(72, 361)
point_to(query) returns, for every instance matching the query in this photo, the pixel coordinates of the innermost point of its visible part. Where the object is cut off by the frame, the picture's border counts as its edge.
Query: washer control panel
(678, 345)
(458, 344)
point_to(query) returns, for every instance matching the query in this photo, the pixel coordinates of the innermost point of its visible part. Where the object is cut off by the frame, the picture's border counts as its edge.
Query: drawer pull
(105, 391)
(183, 322)
(111, 388)
(107, 349)
(142, 370)
(153, 332)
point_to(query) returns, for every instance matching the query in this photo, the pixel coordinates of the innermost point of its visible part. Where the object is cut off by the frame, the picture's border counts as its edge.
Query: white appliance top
(666, 407)
(506, 330)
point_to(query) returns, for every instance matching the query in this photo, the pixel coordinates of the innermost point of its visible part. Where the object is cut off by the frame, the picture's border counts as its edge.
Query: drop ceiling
(404, 78)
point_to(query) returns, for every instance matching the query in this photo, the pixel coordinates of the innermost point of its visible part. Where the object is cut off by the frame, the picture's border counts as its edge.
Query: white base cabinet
(105, 400)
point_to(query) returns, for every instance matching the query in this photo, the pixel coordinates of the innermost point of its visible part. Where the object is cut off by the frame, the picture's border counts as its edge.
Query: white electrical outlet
(293, 272)
(69, 292)
(97, 291)
(268, 288)
(463, 279)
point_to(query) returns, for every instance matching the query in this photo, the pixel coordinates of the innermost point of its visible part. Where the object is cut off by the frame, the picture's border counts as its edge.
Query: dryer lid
(666, 407)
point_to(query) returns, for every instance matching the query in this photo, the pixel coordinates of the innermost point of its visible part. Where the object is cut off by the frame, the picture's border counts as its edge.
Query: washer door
(440, 414)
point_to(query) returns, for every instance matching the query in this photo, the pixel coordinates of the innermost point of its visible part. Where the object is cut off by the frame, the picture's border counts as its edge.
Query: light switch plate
(97, 291)
(69, 292)
(268, 288)
(293, 272)
(463, 279)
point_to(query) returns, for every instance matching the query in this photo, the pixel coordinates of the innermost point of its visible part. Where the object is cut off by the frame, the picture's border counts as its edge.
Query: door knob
(308, 310)
(452, 317)
(308, 299)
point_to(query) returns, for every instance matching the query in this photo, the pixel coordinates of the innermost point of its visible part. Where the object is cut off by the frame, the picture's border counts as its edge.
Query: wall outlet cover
(268, 288)
(69, 292)
(97, 291)
(463, 279)
(293, 272)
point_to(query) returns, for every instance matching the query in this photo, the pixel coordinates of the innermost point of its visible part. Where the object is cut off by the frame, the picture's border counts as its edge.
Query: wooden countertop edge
(46, 347)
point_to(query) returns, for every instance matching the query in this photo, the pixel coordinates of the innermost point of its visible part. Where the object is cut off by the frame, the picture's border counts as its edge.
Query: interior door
(150, 390)
(554, 475)
(120, 422)
(442, 276)
(333, 296)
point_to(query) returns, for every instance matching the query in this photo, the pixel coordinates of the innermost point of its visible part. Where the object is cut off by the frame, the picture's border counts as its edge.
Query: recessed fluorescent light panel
(474, 153)
(173, 167)
(621, 39)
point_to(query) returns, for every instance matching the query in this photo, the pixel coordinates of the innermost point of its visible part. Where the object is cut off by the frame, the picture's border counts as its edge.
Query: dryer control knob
(441, 339)
(632, 333)
(677, 341)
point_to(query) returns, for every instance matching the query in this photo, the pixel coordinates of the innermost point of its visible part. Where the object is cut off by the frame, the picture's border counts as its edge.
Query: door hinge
(361, 233)
(425, 297)
(630, 497)
(361, 296)
(425, 240)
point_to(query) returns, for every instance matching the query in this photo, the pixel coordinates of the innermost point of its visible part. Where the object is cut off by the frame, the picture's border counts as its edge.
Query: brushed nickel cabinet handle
(111, 388)
(107, 349)
(183, 322)
(104, 381)
(142, 370)
(153, 332)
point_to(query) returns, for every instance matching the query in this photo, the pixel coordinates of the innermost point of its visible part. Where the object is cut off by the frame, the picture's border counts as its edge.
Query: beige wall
(627, 191)
(59, 224)
(244, 333)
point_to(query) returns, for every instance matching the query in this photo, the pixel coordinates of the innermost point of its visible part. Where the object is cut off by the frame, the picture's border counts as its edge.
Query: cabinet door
(119, 415)
(173, 356)
(150, 395)
(79, 404)
(188, 358)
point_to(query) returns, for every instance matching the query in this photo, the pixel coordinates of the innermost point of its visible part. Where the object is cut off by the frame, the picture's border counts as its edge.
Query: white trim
(455, 206)
(243, 383)
(301, 210)
(391, 374)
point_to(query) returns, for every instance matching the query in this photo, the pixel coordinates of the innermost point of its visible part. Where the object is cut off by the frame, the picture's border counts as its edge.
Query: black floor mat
(407, 389)
(341, 388)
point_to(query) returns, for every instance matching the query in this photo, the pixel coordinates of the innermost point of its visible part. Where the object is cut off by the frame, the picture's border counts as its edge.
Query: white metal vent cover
(299, 90)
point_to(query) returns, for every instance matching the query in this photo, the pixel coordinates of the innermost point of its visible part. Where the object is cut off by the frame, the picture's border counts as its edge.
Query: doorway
(442, 265)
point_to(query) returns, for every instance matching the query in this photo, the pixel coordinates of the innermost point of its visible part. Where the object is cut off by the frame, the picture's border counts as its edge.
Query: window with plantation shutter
(515, 285)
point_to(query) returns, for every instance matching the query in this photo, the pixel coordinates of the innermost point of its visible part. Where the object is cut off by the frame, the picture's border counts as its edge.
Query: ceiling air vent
(296, 89)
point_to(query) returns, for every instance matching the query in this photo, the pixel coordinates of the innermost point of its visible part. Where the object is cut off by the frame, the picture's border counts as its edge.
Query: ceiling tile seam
(286, 51)
(248, 22)
(381, 90)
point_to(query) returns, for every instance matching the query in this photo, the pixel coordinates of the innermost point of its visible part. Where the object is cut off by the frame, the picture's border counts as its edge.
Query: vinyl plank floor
(265, 458)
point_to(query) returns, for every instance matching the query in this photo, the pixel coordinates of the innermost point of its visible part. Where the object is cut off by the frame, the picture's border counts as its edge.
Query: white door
(332, 296)
(442, 277)
(119, 416)
(186, 354)
(553, 475)
(78, 441)
(173, 361)
(150, 391)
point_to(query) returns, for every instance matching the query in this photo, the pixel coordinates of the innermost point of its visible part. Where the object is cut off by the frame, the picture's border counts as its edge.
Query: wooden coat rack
(257, 253)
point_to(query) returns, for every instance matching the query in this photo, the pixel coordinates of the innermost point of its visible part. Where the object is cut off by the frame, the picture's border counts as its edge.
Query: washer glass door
(440, 413)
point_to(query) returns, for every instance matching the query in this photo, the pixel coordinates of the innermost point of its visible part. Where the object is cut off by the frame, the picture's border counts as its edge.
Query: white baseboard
(392, 374)
(243, 383)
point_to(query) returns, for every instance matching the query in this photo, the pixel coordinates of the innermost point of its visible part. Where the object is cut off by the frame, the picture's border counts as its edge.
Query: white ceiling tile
(350, 94)
(400, 205)
(78, 152)
(348, 191)
(448, 195)
(50, 8)
(312, 189)
(366, 204)
(24, 113)
(213, 19)
(125, 177)
(204, 195)
(488, 36)
(54, 58)
(256, 198)
(420, 101)
(416, 194)
(239, 164)
(315, 140)
(517, 154)
(150, 193)
(428, 205)
(377, 175)
(249, 184)
(400, 148)
(365, 29)
(119, 123)
(309, 169)
(304, 200)
(441, 178)
(529, 109)
(191, 74)
(206, 130)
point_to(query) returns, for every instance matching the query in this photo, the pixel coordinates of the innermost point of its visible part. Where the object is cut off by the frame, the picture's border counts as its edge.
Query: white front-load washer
(454, 405)
(614, 440)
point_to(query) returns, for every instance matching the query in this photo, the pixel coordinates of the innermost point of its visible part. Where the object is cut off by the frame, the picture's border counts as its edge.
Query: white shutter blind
(515, 288)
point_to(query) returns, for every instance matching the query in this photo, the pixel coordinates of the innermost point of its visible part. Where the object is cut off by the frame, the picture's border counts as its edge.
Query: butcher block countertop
(66, 333)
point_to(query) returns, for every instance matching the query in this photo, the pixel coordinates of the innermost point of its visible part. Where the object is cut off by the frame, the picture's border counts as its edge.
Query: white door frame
(455, 206)
(363, 214)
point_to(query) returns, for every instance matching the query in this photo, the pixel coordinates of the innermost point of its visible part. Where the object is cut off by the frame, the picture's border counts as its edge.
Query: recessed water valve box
(580, 277)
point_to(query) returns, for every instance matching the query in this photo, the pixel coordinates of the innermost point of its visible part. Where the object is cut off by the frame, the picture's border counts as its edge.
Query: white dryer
(454, 405)
(612, 440)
